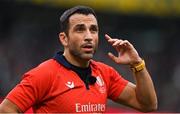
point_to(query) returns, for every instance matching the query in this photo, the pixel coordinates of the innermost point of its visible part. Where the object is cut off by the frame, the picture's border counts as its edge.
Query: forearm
(8, 107)
(143, 95)
(145, 91)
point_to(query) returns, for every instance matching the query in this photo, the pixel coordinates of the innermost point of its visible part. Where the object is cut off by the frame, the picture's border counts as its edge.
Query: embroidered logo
(70, 84)
(99, 81)
(101, 84)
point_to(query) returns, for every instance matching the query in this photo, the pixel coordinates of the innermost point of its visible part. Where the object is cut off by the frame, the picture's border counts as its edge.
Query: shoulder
(44, 71)
(46, 67)
(101, 66)
(35, 85)
(41, 77)
(48, 64)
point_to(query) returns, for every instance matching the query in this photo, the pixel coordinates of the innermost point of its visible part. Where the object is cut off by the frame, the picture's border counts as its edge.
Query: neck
(76, 61)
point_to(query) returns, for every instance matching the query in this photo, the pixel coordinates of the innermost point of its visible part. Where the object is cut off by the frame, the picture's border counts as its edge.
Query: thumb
(113, 57)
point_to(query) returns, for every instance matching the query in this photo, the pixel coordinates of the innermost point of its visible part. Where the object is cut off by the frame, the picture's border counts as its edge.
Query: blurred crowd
(29, 35)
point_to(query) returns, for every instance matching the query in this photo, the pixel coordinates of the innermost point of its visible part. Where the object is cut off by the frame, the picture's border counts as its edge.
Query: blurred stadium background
(29, 35)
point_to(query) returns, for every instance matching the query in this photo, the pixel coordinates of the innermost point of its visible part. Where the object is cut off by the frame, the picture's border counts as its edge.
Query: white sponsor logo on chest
(100, 83)
(90, 107)
(70, 84)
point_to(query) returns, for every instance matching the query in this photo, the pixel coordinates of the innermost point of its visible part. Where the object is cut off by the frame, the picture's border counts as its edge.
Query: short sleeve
(117, 85)
(32, 89)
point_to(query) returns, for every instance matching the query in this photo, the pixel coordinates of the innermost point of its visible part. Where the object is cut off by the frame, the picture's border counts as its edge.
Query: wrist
(138, 66)
(136, 62)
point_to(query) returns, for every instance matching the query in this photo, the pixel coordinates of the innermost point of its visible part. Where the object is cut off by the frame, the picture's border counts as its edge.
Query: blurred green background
(29, 35)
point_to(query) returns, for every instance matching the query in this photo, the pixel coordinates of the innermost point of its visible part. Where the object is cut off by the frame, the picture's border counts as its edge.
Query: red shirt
(51, 87)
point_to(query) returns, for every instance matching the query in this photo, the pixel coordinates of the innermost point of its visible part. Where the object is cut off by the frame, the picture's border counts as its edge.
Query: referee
(73, 82)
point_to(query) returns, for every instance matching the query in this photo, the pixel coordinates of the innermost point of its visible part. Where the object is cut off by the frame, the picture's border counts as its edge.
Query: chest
(69, 94)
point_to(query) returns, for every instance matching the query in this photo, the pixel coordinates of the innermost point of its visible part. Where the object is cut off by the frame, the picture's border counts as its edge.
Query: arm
(141, 96)
(8, 107)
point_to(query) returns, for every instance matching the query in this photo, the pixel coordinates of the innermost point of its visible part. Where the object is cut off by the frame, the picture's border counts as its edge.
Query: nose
(88, 36)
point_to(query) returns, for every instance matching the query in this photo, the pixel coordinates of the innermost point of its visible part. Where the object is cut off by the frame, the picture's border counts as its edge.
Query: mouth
(87, 47)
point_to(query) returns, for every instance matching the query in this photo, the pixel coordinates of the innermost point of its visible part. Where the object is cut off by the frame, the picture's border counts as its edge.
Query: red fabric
(49, 88)
(29, 111)
(108, 110)
(121, 110)
(1, 99)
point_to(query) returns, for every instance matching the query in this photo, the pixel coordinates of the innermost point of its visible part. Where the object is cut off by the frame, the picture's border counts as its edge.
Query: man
(73, 82)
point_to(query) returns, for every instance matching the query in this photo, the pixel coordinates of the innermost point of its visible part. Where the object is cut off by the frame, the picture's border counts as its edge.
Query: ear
(63, 39)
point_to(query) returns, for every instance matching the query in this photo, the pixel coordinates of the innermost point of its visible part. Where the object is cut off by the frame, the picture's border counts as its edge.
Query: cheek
(74, 40)
(96, 40)
(75, 43)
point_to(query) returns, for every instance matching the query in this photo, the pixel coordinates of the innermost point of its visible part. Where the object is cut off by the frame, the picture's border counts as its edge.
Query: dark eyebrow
(79, 25)
(94, 27)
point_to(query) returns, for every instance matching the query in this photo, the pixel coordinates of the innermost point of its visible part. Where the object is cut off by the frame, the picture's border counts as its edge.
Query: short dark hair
(64, 19)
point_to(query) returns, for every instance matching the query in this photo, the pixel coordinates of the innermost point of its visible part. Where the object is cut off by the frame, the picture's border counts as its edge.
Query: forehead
(82, 19)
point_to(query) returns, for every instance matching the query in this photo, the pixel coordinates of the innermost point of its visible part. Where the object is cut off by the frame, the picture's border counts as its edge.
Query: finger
(117, 43)
(126, 43)
(107, 37)
(114, 58)
(111, 41)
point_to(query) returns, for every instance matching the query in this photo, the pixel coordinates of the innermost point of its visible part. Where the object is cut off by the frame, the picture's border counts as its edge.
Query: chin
(87, 56)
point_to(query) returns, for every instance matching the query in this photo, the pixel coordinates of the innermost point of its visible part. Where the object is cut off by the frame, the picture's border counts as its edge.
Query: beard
(81, 54)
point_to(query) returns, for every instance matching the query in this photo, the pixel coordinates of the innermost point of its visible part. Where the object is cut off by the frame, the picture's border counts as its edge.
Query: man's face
(83, 36)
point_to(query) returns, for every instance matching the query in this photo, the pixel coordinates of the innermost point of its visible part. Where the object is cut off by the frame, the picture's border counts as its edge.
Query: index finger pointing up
(107, 37)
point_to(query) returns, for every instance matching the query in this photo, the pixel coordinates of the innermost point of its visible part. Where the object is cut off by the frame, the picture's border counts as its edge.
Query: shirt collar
(61, 60)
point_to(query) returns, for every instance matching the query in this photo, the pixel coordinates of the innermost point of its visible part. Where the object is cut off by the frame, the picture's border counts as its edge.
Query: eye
(94, 29)
(79, 28)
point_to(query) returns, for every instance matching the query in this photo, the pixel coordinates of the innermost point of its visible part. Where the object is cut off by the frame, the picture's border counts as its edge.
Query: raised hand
(127, 54)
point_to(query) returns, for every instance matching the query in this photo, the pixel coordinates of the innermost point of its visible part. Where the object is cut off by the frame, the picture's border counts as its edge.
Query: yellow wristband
(138, 67)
